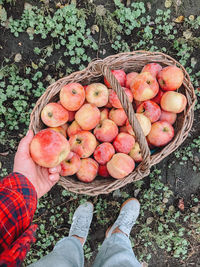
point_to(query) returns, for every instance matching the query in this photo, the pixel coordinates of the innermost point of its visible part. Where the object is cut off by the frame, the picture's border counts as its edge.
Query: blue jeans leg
(68, 252)
(116, 251)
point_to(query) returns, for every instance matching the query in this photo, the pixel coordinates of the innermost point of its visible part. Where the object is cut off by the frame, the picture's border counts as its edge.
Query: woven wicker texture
(130, 61)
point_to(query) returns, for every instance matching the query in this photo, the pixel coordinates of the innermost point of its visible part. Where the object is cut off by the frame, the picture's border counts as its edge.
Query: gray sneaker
(128, 215)
(81, 220)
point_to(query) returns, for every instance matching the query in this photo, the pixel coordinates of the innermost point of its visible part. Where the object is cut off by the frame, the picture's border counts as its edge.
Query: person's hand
(42, 178)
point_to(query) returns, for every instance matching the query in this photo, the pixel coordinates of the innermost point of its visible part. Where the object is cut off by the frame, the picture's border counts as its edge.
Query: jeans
(116, 251)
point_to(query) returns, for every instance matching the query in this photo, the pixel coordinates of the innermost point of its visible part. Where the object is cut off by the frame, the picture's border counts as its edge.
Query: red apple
(129, 78)
(97, 94)
(72, 96)
(158, 97)
(114, 100)
(70, 155)
(150, 109)
(120, 165)
(123, 143)
(144, 122)
(149, 144)
(65, 127)
(135, 153)
(168, 116)
(103, 172)
(118, 116)
(104, 113)
(103, 153)
(71, 115)
(70, 166)
(54, 115)
(170, 78)
(108, 105)
(144, 87)
(83, 144)
(59, 129)
(88, 170)
(153, 68)
(129, 128)
(161, 133)
(120, 75)
(88, 116)
(49, 148)
(173, 102)
(136, 104)
(123, 129)
(74, 128)
(106, 131)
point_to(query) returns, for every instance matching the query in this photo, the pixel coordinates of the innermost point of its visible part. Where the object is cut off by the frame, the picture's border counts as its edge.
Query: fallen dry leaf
(94, 29)
(168, 3)
(100, 10)
(195, 209)
(27, 6)
(191, 17)
(165, 200)
(149, 5)
(73, 2)
(178, 2)
(187, 34)
(128, 2)
(18, 57)
(34, 66)
(181, 205)
(136, 192)
(4, 153)
(144, 264)
(193, 61)
(149, 220)
(180, 19)
(59, 5)
(30, 30)
(3, 13)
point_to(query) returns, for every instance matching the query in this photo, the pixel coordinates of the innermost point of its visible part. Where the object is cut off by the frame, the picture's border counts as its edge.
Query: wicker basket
(130, 61)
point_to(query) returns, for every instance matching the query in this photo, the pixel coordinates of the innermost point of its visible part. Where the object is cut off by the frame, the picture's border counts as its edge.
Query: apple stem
(78, 141)
(50, 114)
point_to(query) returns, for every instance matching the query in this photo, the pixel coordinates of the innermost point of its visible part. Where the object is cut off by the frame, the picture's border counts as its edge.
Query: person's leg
(68, 251)
(116, 249)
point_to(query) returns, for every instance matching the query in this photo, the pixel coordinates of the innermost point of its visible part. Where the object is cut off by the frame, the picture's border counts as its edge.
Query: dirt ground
(181, 179)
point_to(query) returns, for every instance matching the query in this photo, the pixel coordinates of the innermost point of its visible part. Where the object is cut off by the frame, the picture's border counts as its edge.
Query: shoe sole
(125, 202)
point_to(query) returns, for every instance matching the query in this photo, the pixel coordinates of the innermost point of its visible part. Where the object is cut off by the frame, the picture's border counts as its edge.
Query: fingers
(54, 177)
(54, 174)
(25, 142)
(56, 169)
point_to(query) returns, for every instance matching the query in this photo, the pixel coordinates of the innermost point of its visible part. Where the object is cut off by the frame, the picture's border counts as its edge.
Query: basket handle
(128, 108)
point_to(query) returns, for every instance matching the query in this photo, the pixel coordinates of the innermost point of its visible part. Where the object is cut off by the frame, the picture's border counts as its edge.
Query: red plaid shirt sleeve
(18, 202)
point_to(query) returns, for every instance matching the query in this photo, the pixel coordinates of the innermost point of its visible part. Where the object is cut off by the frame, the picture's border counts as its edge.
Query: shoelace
(126, 219)
(81, 223)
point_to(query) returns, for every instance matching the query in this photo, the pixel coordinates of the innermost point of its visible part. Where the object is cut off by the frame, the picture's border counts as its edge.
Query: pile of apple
(88, 131)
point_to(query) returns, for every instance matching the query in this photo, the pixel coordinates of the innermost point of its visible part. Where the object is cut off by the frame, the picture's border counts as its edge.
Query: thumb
(25, 142)
(54, 178)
